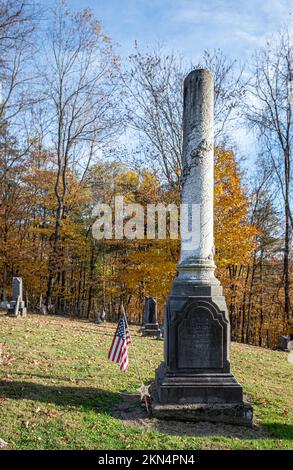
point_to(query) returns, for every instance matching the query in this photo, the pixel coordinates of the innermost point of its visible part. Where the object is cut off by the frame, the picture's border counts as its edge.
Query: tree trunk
(250, 298)
(4, 283)
(243, 308)
(261, 318)
(53, 262)
(286, 271)
(91, 276)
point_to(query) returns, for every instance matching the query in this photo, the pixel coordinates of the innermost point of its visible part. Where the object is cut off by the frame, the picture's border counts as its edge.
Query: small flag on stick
(118, 351)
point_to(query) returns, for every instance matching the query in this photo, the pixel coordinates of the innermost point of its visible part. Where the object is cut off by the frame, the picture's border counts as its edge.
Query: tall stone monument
(194, 382)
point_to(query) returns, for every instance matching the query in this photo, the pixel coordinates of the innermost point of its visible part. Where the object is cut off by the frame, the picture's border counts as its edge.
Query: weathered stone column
(196, 258)
(194, 381)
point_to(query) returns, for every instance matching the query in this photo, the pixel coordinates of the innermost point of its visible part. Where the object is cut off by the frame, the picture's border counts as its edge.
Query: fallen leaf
(3, 443)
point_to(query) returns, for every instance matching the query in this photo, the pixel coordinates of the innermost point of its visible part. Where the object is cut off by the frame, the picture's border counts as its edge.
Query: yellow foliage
(234, 234)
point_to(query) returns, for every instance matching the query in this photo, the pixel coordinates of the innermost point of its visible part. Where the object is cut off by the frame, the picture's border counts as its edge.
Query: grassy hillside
(59, 391)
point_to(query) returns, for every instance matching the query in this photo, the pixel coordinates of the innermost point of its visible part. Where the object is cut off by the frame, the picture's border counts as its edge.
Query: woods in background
(67, 110)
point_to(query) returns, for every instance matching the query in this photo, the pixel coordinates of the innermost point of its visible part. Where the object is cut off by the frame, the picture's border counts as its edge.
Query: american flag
(118, 350)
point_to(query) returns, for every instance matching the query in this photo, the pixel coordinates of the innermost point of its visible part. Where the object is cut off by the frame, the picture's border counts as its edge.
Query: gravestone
(283, 343)
(101, 318)
(17, 306)
(150, 325)
(194, 382)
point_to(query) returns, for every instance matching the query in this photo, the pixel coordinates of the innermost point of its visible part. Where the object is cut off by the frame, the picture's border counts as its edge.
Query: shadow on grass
(84, 397)
(127, 408)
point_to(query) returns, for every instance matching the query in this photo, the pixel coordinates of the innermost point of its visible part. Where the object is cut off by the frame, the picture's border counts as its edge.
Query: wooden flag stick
(136, 361)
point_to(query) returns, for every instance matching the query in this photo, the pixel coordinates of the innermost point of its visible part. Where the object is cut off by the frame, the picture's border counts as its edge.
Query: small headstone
(16, 288)
(290, 344)
(101, 317)
(17, 306)
(150, 325)
(283, 343)
(43, 309)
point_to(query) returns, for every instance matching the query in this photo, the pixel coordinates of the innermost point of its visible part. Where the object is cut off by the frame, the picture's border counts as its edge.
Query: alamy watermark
(153, 221)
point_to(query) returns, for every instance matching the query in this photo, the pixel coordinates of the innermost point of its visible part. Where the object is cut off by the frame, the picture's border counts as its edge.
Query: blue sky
(190, 26)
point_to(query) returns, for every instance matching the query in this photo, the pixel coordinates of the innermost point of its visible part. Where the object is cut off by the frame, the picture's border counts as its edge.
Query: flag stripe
(118, 351)
(110, 350)
(124, 361)
(113, 348)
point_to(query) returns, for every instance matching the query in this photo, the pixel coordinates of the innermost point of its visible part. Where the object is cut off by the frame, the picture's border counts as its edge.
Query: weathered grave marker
(17, 305)
(150, 325)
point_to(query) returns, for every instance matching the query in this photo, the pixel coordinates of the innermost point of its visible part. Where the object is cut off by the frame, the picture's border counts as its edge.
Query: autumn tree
(269, 112)
(9, 194)
(78, 90)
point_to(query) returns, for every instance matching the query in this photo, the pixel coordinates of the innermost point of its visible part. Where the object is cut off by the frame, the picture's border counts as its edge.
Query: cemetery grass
(59, 391)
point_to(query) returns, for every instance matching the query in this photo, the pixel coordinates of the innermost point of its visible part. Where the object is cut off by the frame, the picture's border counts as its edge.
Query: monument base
(151, 329)
(11, 309)
(22, 312)
(228, 413)
(194, 383)
(200, 397)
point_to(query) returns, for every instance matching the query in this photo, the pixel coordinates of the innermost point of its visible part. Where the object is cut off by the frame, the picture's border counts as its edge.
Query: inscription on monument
(200, 341)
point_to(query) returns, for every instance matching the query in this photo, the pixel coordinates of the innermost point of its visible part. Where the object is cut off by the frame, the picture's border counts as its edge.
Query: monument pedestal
(151, 329)
(21, 309)
(228, 413)
(194, 383)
